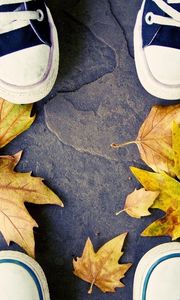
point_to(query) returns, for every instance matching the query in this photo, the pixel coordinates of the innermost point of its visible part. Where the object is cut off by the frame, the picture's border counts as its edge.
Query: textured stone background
(97, 100)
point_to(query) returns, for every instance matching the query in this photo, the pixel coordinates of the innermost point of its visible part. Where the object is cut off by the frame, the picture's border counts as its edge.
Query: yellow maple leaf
(176, 148)
(154, 139)
(168, 201)
(169, 225)
(16, 188)
(138, 202)
(159, 146)
(102, 268)
(14, 119)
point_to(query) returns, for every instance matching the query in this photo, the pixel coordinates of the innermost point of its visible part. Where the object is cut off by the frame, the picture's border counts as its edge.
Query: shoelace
(7, 17)
(174, 15)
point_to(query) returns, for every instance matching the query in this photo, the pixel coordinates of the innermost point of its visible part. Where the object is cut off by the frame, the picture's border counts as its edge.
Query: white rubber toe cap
(164, 281)
(158, 273)
(16, 283)
(26, 67)
(164, 64)
(21, 278)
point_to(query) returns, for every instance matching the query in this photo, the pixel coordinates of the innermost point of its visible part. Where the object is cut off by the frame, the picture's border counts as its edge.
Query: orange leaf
(16, 188)
(102, 268)
(154, 139)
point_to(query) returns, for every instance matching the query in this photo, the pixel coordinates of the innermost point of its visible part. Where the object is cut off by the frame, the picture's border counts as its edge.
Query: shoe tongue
(42, 29)
(160, 35)
(176, 6)
(150, 31)
(6, 25)
(12, 7)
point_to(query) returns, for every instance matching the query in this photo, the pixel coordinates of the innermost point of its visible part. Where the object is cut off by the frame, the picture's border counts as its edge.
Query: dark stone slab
(92, 189)
(98, 101)
(111, 108)
(84, 58)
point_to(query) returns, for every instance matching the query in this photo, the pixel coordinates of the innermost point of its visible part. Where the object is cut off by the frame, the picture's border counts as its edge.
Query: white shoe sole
(151, 85)
(32, 267)
(36, 92)
(147, 264)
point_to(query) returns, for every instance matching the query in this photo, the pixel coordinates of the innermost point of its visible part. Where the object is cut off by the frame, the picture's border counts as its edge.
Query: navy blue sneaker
(29, 52)
(157, 47)
(157, 275)
(21, 278)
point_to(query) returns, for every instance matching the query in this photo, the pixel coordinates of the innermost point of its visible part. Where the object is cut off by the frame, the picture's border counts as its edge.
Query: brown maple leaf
(14, 119)
(102, 268)
(154, 139)
(16, 188)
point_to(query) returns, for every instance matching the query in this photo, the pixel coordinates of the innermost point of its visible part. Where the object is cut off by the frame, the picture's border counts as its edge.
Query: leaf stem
(119, 212)
(91, 287)
(116, 146)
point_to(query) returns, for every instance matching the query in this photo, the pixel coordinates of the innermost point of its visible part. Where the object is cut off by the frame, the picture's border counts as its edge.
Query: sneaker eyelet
(149, 18)
(41, 15)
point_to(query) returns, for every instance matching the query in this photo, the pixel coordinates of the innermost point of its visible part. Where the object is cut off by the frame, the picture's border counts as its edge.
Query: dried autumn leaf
(102, 268)
(176, 148)
(138, 203)
(16, 188)
(168, 201)
(154, 139)
(14, 119)
(169, 225)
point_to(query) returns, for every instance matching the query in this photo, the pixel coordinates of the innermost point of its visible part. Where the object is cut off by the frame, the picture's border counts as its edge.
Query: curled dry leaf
(14, 119)
(102, 268)
(16, 188)
(138, 203)
(154, 139)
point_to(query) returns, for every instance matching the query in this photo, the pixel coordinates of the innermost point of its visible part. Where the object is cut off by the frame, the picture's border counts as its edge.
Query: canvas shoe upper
(21, 278)
(157, 276)
(157, 47)
(29, 53)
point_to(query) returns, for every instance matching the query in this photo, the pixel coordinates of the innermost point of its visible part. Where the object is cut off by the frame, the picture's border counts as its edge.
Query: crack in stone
(94, 34)
(122, 28)
(81, 110)
(104, 118)
(59, 91)
(71, 17)
(78, 149)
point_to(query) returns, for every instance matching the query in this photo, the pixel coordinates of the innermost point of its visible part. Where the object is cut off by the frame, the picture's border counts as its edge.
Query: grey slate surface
(97, 100)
